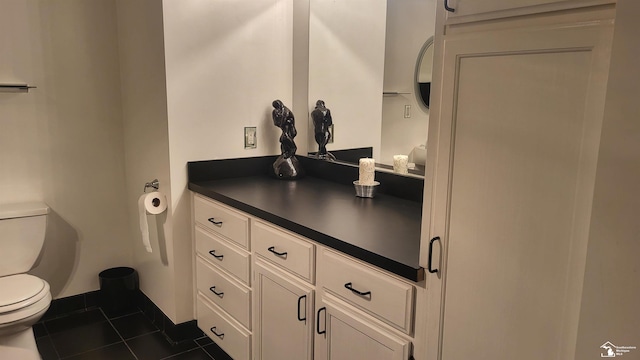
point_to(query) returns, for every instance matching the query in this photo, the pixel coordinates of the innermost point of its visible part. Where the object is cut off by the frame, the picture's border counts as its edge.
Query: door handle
(318, 321)
(213, 290)
(213, 253)
(273, 250)
(430, 268)
(299, 300)
(213, 330)
(447, 7)
(214, 222)
(350, 287)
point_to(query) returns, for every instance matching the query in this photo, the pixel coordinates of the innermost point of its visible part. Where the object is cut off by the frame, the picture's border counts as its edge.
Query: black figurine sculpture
(322, 120)
(286, 165)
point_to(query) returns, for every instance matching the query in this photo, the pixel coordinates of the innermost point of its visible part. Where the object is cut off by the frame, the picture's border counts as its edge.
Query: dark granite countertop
(383, 231)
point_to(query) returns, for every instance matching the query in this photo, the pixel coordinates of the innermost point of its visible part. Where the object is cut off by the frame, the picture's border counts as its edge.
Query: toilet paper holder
(153, 184)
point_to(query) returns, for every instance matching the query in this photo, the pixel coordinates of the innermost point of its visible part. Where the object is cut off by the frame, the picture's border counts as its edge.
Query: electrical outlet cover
(250, 137)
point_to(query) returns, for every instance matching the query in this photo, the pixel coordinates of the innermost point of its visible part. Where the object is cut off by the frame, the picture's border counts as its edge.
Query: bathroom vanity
(303, 268)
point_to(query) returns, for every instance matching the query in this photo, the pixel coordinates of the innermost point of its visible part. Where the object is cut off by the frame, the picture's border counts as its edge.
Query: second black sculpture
(286, 165)
(322, 121)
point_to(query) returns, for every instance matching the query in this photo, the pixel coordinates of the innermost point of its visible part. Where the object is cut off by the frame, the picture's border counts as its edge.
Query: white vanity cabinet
(375, 292)
(360, 311)
(301, 300)
(284, 265)
(284, 311)
(285, 320)
(222, 276)
(292, 253)
(342, 334)
(514, 153)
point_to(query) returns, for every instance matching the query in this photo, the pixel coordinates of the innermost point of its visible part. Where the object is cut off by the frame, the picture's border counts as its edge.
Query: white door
(342, 335)
(284, 316)
(520, 118)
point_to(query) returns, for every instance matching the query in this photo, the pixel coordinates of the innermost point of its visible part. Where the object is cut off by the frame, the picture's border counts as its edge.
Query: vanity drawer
(223, 330)
(381, 295)
(288, 251)
(225, 292)
(222, 254)
(222, 220)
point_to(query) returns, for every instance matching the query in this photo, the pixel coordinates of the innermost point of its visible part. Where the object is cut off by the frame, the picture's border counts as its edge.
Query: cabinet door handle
(350, 287)
(213, 330)
(430, 268)
(213, 253)
(447, 7)
(283, 254)
(299, 301)
(214, 222)
(213, 290)
(318, 321)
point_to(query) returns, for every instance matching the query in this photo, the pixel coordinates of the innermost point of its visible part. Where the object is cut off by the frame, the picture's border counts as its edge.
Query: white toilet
(24, 298)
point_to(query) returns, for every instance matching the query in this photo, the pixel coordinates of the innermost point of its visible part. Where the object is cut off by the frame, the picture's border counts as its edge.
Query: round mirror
(424, 65)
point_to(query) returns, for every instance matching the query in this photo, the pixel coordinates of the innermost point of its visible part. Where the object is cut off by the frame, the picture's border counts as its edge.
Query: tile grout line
(120, 338)
(99, 347)
(186, 351)
(55, 348)
(90, 350)
(118, 332)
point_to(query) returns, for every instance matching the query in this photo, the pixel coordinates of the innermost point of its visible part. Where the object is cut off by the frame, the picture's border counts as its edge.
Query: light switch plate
(250, 137)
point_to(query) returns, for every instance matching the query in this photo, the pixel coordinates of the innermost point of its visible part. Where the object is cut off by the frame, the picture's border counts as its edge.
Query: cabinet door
(342, 335)
(506, 8)
(284, 315)
(517, 145)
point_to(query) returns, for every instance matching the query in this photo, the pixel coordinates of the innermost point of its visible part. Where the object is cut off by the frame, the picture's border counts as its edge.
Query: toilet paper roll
(153, 203)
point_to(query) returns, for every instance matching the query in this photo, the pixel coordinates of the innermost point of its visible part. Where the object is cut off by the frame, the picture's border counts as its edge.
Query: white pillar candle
(400, 163)
(367, 171)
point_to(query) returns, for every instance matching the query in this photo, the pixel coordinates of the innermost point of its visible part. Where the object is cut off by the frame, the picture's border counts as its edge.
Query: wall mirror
(424, 67)
(362, 64)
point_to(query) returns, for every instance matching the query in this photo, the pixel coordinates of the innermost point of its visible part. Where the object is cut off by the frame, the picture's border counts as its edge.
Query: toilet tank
(22, 229)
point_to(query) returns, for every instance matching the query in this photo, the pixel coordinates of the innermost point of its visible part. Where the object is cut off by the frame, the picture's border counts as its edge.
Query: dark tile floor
(90, 335)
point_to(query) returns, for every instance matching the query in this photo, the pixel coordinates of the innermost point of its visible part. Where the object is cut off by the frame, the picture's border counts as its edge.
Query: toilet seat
(22, 295)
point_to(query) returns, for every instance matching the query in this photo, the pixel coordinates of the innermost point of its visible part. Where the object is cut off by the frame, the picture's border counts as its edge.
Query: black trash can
(118, 290)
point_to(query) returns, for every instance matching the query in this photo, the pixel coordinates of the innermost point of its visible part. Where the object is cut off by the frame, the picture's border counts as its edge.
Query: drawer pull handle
(432, 270)
(447, 7)
(282, 254)
(350, 287)
(213, 330)
(213, 290)
(304, 318)
(213, 253)
(318, 321)
(214, 222)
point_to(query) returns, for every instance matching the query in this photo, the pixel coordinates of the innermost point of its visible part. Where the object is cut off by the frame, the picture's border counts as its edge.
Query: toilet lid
(18, 288)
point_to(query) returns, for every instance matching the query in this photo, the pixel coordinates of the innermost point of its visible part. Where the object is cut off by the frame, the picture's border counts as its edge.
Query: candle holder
(365, 190)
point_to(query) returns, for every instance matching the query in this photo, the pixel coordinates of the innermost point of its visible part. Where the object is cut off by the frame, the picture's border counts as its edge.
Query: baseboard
(76, 303)
(176, 333)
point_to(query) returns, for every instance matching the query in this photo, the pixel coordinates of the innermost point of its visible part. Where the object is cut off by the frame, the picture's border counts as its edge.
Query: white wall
(346, 67)
(409, 24)
(611, 293)
(21, 129)
(62, 142)
(146, 141)
(226, 61)
(301, 76)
